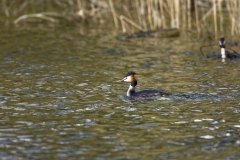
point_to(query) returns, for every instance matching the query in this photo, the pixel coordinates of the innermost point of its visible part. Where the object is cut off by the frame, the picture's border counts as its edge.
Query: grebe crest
(144, 94)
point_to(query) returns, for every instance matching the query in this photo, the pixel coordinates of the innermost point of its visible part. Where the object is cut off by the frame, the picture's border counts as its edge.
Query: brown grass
(217, 17)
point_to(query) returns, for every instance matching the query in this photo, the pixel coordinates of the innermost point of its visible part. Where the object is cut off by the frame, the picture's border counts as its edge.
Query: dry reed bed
(213, 16)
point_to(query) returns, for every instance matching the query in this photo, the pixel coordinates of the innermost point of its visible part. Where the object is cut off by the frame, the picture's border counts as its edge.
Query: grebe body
(144, 94)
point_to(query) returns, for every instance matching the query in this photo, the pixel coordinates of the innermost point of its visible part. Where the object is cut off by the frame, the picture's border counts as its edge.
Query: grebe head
(133, 82)
(222, 46)
(129, 77)
(222, 42)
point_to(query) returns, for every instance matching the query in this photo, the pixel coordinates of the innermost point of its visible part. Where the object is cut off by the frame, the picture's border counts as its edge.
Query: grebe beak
(119, 80)
(122, 80)
(125, 79)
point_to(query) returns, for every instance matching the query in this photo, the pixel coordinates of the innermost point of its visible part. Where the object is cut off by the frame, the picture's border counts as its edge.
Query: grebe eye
(126, 79)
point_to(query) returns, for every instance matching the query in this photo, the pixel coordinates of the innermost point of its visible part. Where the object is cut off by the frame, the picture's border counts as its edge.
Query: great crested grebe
(223, 54)
(144, 94)
(226, 54)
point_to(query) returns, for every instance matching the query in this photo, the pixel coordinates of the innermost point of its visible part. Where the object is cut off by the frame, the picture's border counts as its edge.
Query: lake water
(59, 98)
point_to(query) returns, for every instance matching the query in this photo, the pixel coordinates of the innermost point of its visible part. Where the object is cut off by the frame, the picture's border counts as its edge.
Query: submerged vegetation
(214, 17)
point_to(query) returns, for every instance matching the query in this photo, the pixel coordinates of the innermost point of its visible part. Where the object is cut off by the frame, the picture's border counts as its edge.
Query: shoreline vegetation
(210, 17)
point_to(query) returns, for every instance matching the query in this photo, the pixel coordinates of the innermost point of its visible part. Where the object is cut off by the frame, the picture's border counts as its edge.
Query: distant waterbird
(223, 53)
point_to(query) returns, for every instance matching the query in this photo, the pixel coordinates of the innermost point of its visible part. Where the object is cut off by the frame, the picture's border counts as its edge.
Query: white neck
(130, 91)
(223, 53)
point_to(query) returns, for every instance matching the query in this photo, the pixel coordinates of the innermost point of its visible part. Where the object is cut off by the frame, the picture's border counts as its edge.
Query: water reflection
(59, 100)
